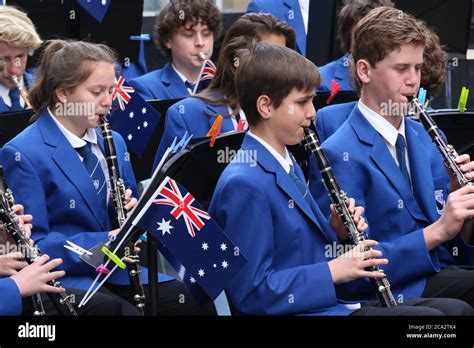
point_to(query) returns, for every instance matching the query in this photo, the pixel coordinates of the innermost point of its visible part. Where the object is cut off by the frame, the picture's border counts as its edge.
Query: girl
(56, 167)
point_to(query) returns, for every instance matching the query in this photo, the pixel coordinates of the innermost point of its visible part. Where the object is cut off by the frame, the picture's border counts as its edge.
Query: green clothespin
(463, 99)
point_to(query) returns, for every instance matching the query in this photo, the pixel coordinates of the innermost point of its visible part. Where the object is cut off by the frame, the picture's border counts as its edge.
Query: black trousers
(418, 306)
(452, 282)
(173, 299)
(103, 302)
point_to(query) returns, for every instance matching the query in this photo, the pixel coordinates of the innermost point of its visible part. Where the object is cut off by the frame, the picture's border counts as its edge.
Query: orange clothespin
(215, 130)
(335, 88)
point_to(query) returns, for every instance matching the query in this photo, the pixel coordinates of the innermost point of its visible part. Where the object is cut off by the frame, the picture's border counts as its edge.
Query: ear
(363, 70)
(61, 94)
(264, 106)
(167, 44)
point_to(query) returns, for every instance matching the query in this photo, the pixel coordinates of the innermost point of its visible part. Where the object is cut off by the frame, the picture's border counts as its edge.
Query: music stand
(457, 126)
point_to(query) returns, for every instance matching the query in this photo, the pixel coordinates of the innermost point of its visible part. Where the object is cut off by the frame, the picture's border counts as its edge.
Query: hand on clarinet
(352, 265)
(467, 167)
(34, 278)
(130, 201)
(337, 224)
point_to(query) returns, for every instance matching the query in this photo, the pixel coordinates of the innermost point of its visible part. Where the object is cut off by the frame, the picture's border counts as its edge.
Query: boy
(18, 40)
(183, 29)
(389, 164)
(262, 204)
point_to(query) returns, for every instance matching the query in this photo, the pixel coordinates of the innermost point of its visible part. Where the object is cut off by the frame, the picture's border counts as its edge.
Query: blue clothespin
(422, 96)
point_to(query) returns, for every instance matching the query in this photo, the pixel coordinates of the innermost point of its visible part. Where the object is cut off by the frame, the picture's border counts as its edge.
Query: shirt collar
(285, 162)
(74, 140)
(381, 125)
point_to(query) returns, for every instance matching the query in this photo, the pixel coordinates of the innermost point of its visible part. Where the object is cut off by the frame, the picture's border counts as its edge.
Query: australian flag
(132, 117)
(207, 73)
(187, 231)
(96, 8)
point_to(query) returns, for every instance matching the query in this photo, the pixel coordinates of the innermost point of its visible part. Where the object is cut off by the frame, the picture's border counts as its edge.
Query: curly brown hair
(435, 60)
(180, 13)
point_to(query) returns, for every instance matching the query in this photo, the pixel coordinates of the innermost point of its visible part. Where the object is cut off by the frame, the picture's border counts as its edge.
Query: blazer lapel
(68, 161)
(282, 179)
(421, 174)
(381, 156)
(294, 18)
(3, 106)
(170, 78)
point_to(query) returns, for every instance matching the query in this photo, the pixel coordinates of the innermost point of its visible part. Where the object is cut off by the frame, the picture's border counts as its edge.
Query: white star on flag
(131, 114)
(192, 280)
(145, 124)
(224, 264)
(144, 111)
(205, 246)
(201, 272)
(130, 137)
(164, 226)
(223, 247)
(214, 265)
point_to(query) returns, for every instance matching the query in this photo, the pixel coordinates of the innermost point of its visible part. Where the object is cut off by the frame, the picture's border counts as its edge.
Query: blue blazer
(337, 70)
(10, 303)
(48, 178)
(287, 11)
(261, 209)
(365, 169)
(194, 116)
(28, 81)
(331, 117)
(160, 84)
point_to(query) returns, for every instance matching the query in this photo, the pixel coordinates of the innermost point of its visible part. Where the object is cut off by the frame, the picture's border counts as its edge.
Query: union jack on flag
(121, 92)
(132, 117)
(191, 239)
(207, 73)
(182, 207)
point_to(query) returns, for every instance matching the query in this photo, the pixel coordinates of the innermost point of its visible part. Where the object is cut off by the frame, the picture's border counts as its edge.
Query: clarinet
(117, 194)
(447, 151)
(340, 201)
(63, 301)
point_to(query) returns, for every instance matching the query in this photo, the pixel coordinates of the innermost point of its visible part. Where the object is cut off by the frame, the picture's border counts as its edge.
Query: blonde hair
(17, 30)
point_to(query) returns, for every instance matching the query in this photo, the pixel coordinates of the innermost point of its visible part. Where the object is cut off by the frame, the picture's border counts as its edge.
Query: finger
(131, 204)
(372, 254)
(42, 260)
(369, 274)
(53, 289)
(128, 194)
(18, 209)
(18, 265)
(8, 272)
(368, 243)
(55, 275)
(53, 264)
(373, 262)
(14, 255)
(26, 218)
(351, 205)
(463, 159)
(136, 250)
